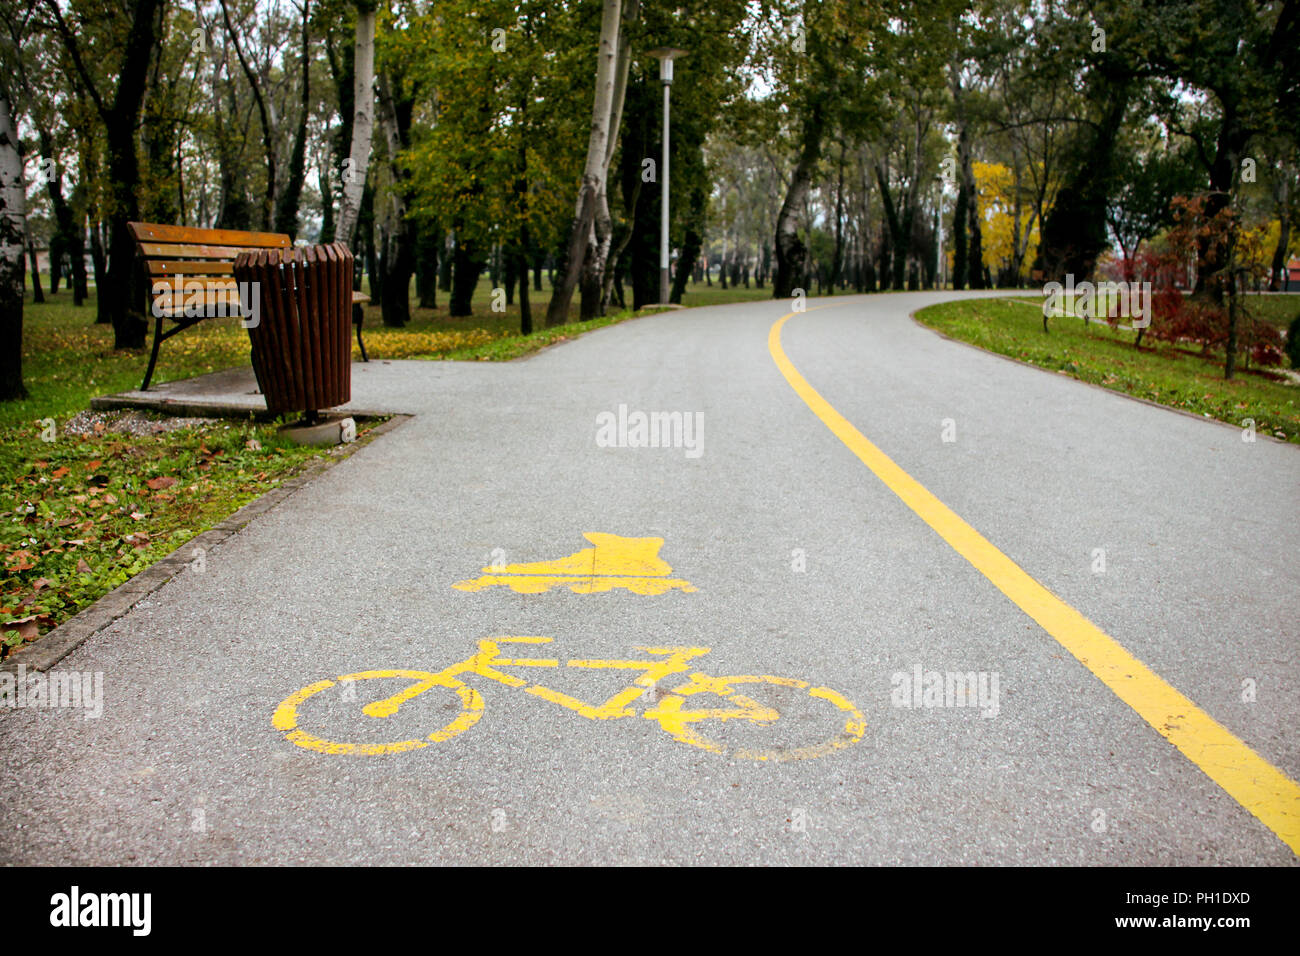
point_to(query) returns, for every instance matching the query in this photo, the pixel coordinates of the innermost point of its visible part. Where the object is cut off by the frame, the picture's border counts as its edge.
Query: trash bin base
(328, 430)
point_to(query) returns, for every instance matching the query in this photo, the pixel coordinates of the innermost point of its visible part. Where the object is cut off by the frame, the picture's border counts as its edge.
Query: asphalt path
(1170, 534)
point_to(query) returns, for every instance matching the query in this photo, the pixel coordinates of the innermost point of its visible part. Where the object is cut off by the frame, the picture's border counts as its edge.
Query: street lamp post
(665, 56)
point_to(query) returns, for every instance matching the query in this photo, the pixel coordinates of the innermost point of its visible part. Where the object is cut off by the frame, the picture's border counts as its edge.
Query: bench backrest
(183, 262)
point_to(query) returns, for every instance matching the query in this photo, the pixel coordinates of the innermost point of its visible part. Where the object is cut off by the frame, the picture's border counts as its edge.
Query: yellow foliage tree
(996, 186)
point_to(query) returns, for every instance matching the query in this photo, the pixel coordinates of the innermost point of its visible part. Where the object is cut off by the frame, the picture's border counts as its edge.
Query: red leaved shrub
(1176, 318)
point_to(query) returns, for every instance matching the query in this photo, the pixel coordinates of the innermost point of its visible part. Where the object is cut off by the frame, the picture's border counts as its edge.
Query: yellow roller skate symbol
(615, 562)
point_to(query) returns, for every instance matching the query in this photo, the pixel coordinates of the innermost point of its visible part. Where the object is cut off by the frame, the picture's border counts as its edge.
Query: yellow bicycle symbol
(674, 709)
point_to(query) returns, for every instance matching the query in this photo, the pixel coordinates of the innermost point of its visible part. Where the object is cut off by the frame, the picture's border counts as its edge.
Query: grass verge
(1096, 353)
(85, 513)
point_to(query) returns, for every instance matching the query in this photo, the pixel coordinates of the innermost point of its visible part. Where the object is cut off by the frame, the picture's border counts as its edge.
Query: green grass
(1104, 356)
(1279, 310)
(82, 515)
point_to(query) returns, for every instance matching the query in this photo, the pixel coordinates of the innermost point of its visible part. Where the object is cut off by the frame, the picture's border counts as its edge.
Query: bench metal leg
(360, 344)
(153, 356)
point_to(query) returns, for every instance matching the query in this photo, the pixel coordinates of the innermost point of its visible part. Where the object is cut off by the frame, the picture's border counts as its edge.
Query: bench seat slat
(214, 305)
(178, 313)
(158, 285)
(167, 267)
(170, 250)
(151, 232)
(180, 297)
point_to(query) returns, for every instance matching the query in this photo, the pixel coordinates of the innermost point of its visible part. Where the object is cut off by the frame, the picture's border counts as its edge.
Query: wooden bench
(182, 261)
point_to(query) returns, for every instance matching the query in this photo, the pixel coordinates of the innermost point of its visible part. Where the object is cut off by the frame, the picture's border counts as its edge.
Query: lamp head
(665, 55)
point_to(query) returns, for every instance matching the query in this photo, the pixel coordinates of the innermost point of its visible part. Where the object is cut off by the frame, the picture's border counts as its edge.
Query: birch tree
(363, 123)
(597, 261)
(594, 174)
(13, 219)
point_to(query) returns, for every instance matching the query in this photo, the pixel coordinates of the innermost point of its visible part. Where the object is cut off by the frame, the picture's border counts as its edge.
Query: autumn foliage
(1203, 319)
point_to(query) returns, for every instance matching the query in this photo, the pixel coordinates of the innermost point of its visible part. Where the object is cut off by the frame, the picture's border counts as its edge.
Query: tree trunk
(129, 326)
(286, 206)
(521, 267)
(1074, 233)
(837, 258)
(619, 246)
(465, 275)
(264, 117)
(961, 214)
(791, 253)
(520, 256)
(427, 240)
(327, 205)
(121, 118)
(975, 264)
(38, 294)
(590, 285)
(398, 265)
(593, 176)
(912, 203)
(446, 261)
(77, 246)
(1283, 197)
(366, 239)
(894, 248)
(363, 122)
(100, 264)
(595, 287)
(1212, 255)
(55, 253)
(694, 219)
(159, 203)
(1230, 347)
(884, 258)
(234, 211)
(399, 231)
(13, 230)
(691, 246)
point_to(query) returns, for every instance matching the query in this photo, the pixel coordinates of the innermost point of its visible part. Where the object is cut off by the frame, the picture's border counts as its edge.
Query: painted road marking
(1247, 777)
(632, 564)
(669, 710)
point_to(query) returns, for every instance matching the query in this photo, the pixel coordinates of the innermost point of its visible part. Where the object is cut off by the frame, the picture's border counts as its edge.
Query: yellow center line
(1247, 777)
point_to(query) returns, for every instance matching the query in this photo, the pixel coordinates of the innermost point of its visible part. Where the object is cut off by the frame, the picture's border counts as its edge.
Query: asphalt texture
(805, 566)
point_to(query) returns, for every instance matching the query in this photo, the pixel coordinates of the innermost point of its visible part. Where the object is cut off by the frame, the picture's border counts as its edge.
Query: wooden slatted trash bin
(302, 354)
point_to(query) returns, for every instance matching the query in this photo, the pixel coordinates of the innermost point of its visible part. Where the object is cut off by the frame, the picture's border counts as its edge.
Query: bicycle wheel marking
(678, 722)
(672, 709)
(286, 715)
